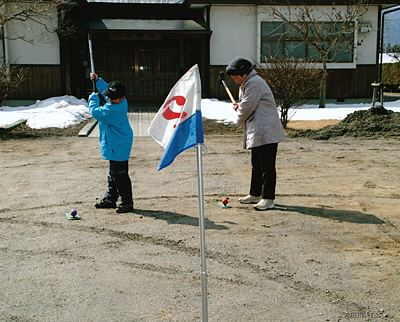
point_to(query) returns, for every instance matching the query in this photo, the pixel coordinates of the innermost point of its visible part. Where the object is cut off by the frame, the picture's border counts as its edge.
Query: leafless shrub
(293, 82)
(11, 78)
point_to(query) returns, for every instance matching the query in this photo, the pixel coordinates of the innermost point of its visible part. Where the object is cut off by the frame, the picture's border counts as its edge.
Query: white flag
(178, 124)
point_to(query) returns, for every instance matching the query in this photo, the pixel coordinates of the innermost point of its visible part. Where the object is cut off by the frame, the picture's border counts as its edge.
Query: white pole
(203, 272)
(7, 61)
(91, 52)
(91, 58)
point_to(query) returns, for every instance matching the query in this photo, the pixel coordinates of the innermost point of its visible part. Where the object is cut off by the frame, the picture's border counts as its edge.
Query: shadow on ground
(178, 219)
(351, 216)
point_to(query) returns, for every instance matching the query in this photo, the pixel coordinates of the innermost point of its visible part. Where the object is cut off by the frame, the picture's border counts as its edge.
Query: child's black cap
(116, 89)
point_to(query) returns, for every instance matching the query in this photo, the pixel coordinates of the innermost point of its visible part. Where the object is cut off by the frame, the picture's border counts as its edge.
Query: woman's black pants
(263, 175)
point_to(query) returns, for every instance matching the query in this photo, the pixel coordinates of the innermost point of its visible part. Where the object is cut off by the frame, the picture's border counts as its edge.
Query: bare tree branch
(327, 31)
(11, 77)
(33, 22)
(292, 81)
(34, 13)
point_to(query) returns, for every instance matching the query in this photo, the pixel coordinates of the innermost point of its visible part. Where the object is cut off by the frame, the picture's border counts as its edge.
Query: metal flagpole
(203, 272)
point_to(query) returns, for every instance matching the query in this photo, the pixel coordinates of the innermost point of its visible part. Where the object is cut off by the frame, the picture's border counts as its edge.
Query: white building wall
(367, 41)
(46, 47)
(234, 33)
(24, 53)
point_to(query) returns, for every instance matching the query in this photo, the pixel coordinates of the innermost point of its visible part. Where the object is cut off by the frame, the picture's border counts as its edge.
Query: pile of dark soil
(212, 127)
(25, 132)
(375, 122)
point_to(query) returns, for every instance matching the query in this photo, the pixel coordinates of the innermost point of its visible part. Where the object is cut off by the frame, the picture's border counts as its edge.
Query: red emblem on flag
(168, 114)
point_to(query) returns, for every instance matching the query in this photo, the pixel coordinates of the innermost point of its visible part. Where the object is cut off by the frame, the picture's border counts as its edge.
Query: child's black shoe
(105, 203)
(122, 208)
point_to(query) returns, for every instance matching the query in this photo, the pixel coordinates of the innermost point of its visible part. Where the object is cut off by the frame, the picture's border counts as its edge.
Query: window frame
(283, 37)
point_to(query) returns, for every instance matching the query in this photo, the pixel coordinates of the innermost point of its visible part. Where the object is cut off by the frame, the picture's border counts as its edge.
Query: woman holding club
(262, 131)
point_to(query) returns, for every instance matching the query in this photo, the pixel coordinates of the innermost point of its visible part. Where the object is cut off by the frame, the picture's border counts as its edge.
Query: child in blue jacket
(116, 137)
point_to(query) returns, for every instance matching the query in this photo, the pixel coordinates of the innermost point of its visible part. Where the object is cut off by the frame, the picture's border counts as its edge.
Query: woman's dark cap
(239, 66)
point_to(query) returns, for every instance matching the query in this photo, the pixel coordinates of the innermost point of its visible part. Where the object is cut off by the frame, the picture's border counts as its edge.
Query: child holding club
(116, 137)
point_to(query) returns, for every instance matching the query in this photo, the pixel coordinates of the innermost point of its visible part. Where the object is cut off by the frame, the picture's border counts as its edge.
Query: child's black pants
(119, 183)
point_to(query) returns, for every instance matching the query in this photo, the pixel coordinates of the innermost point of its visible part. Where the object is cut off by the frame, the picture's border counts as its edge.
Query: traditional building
(150, 44)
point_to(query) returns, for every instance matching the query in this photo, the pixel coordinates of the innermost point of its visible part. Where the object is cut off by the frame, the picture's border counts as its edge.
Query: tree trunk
(322, 91)
(284, 116)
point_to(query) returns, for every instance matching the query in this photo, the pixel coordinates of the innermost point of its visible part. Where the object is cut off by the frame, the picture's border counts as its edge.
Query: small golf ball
(73, 213)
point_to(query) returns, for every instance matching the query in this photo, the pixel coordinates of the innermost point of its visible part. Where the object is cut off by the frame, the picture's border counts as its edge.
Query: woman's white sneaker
(250, 199)
(264, 204)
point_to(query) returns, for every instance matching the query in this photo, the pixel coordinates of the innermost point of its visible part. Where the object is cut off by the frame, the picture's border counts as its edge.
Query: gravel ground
(329, 251)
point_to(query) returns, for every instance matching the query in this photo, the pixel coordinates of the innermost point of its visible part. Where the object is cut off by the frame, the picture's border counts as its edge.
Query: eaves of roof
(284, 3)
(166, 2)
(146, 25)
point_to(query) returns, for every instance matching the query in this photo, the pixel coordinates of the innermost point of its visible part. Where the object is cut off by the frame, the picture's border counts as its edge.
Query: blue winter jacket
(116, 135)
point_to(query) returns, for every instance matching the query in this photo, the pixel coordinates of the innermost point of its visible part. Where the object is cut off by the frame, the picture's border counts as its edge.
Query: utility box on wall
(365, 27)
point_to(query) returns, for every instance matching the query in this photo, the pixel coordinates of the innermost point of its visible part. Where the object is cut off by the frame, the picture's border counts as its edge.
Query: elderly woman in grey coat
(262, 131)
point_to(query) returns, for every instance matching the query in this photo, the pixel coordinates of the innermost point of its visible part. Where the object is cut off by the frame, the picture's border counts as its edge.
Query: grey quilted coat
(257, 110)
